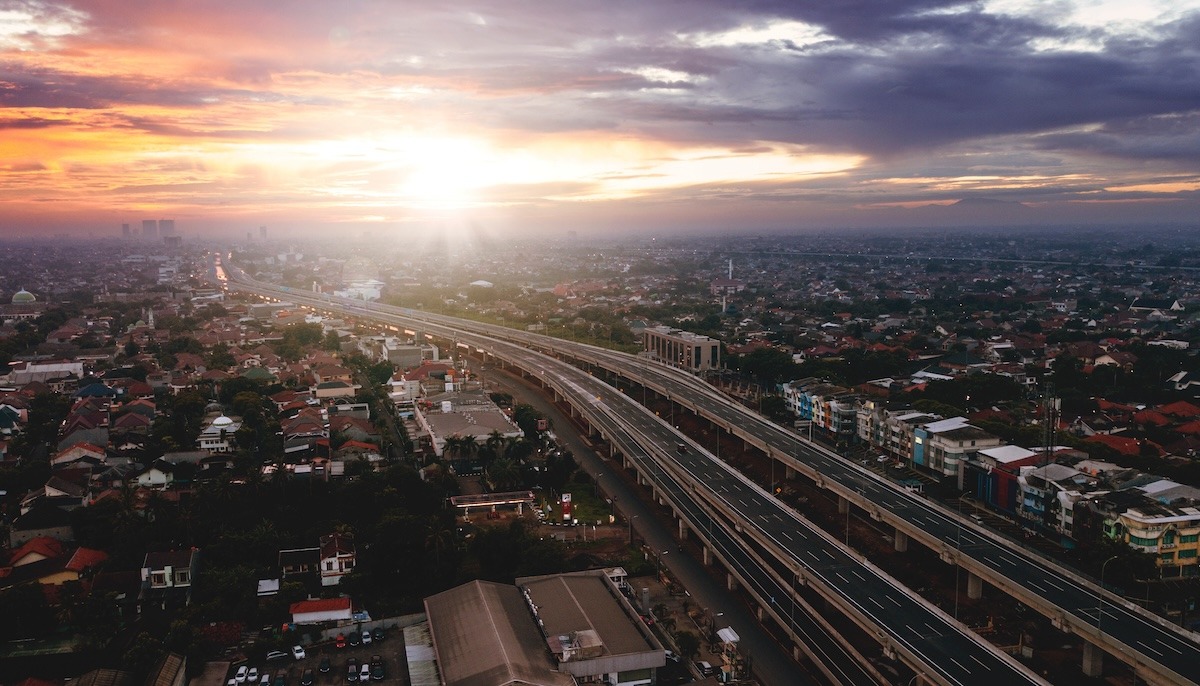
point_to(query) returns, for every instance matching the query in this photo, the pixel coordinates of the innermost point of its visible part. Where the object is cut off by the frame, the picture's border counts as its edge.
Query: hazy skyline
(615, 116)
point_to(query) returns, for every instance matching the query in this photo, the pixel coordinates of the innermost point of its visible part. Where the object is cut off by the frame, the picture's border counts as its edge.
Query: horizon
(662, 118)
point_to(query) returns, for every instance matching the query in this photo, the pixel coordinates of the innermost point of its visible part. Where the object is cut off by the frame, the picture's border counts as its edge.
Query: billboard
(566, 507)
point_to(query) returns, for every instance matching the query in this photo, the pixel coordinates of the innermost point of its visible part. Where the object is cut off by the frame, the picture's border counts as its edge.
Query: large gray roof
(484, 635)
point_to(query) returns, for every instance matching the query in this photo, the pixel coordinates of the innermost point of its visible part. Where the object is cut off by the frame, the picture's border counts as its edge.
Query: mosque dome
(222, 421)
(23, 296)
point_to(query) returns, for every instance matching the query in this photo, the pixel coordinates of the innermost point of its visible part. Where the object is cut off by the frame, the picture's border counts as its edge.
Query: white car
(252, 675)
(366, 637)
(298, 652)
(240, 675)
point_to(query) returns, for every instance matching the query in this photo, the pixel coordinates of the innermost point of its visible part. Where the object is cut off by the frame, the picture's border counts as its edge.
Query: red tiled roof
(320, 605)
(1125, 446)
(1180, 408)
(86, 558)
(43, 545)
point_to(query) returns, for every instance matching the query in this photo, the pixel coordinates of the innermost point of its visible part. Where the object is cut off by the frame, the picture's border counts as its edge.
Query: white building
(218, 436)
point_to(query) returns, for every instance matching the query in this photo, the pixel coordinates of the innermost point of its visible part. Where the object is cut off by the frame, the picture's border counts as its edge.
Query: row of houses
(1056, 491)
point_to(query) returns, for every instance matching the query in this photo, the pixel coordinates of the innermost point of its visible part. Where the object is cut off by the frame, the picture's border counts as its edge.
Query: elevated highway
(765, 546)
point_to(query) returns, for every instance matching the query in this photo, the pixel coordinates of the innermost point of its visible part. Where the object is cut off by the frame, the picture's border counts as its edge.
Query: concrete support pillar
(730, 583)
(798, 655)
(683, 530)
(706, 556)
(760, 613)
(901, 544)
(789, 473)
(843, 505)
(974, 586)
(1093, 660)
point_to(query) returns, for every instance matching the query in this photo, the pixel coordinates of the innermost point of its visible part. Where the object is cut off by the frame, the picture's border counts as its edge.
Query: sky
(396, 117)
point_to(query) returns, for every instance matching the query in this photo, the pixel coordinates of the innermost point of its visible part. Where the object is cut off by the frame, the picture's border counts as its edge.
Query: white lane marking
(894, 601)
(981, 663)
(876, 602)
(1168, 647)
(1156, 652)
(960, 665)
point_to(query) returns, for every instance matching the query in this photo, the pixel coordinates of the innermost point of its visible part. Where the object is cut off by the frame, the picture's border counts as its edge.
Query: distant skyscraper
(166, 227)
(149, 228)
(125, 231)
(262, 232)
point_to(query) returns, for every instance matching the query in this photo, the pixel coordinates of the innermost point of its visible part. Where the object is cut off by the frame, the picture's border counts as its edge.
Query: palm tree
(503, 475)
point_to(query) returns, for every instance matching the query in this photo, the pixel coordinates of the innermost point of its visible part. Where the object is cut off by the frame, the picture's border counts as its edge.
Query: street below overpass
(770, 661)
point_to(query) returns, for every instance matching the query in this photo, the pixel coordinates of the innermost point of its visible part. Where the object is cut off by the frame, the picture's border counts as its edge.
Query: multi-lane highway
(765, 544)
(1159, 650)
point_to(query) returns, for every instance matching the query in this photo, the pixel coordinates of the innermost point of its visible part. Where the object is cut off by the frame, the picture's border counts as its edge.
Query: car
(366, 637)
(672, 656)
(276, 655)
(280, 678)
(325, 665)
(308, 677)
(378, 634)
(298, 652)
(681, 448)
(240, 675)
(265, 680)
(340, 641)
(704, 668)
(355, 638)
(649, 620)
(231, 682)
(352, 669)
(364, 672)
(252, 675)
(378, 671)
(977, 518)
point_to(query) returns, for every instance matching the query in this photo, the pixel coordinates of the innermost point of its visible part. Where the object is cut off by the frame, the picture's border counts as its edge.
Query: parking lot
(391, 650)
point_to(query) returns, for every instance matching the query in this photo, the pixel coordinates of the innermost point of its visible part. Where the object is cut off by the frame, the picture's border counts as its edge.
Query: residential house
(338, 557)
(167, 578)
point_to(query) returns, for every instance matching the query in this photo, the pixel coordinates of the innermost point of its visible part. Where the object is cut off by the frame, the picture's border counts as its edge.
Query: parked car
(280, 678)
(231, 682)
(704, 668)
(340, 641)
(298, 652)
(276, 655)
(378, 671)
(240, 675)
(366, 637)
(252, 675)
(672, 656)
(378, 634)
(265, 679)
(325, 665)
(364, 672)
(308, 678)
(354, 638)
(352, 669)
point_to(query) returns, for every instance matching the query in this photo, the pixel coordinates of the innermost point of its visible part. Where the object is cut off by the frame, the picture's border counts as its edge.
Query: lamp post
(1100, 596)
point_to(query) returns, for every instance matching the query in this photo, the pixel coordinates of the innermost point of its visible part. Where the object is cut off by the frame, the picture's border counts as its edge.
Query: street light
(1100, 596)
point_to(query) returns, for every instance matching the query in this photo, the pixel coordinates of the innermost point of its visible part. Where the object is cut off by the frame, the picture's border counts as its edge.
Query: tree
(688, 644)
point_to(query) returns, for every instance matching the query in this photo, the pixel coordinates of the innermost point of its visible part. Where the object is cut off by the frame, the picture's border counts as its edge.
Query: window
(1189, 538)
(158, 579)
(1185, 554)
(183, 577)
(1166, 556)
(1138, 540)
